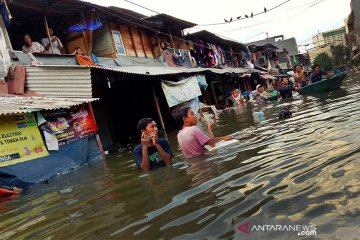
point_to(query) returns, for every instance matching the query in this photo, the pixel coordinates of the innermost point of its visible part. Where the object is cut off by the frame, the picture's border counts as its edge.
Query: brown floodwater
(304, 168)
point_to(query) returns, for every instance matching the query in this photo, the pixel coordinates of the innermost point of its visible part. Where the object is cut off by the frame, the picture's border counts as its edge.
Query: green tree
(324, 60)
(340, 55)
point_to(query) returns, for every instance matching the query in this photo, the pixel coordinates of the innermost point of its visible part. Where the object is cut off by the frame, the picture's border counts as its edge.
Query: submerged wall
(68, 157)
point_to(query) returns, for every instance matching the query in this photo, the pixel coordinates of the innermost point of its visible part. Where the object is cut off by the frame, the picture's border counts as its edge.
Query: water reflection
(200, 169)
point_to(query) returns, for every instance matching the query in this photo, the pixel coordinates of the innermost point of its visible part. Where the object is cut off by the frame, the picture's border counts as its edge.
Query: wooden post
(48, 33)
(132, 40)
(171, 39)
(86, 42)
(97, 135)
(159, 45)
(142, 43)
(159, 112)
(215, 98)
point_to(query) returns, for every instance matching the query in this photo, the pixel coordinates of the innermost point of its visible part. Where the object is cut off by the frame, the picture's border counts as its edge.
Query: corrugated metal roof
(60, 81)
(213, 38)
(159, 71)
(14, 104)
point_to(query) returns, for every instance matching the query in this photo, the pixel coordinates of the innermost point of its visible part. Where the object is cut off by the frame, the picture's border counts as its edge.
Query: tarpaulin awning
(14, 104)
(182, 91)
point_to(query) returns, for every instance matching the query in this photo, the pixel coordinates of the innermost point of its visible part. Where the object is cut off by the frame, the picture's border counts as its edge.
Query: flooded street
(307, 167)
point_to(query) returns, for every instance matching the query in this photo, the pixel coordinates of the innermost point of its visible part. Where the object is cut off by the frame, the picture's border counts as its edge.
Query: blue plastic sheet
(68, 157)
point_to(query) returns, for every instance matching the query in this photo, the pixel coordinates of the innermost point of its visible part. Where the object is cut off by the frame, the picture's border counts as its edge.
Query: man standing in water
(259, 96)
(191, 139)
(152, 152)
(286, 89)
(317, 74)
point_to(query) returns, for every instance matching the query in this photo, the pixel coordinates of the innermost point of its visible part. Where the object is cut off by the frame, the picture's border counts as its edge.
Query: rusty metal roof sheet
(15, 104)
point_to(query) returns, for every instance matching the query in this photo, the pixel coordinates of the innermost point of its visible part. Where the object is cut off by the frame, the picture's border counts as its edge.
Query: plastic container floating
(258, 117)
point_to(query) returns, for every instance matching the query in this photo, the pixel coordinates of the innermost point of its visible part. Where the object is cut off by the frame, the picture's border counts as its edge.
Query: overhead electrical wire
(246, 16)
(142, 6)
(190, 42)
(274, 19)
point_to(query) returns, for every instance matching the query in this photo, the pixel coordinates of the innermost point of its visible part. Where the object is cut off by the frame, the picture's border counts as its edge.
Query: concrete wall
(290, 44)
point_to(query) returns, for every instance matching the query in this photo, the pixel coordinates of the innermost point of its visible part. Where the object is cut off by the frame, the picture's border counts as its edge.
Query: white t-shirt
(35, 48)
(56, 45)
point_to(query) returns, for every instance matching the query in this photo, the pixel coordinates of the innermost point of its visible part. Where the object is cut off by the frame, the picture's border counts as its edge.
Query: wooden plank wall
(103, 43)
(74, 40)
(177, 42)
(137, 42)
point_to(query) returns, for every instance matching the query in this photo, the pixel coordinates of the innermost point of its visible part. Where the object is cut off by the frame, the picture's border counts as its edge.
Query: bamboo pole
(159, 45)
(159, 112)
(98, 140)
(48, 33)
(171, 38)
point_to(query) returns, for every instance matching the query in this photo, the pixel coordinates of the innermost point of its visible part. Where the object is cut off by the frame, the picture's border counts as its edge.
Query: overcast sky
(301, 19)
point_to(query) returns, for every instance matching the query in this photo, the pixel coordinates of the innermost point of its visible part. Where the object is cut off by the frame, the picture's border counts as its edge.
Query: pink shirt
(192, 141)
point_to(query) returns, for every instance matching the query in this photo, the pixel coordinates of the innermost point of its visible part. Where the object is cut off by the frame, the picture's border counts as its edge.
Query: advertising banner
(20, 139)
(71, 124)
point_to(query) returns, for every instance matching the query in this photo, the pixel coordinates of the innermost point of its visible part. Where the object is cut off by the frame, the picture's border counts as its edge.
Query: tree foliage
(340, 55)
(324, 60)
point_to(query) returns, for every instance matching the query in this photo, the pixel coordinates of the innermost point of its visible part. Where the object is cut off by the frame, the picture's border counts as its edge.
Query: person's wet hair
(142, 124)
(180, 113)
(296, 67)
(77, 48)
(315, 66)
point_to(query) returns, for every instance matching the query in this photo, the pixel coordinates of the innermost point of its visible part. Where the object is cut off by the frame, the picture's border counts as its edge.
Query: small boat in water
(325, 85)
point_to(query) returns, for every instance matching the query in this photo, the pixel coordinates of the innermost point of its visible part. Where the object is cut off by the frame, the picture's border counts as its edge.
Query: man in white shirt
(55, 43)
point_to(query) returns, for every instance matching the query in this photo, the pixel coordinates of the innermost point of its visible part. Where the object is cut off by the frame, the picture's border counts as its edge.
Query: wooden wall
(103, 43)
(74, 40)
(137, 42)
